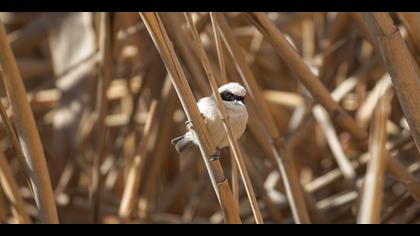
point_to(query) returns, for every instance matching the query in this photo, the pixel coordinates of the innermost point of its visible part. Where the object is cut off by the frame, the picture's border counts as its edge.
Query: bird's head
(233, 92)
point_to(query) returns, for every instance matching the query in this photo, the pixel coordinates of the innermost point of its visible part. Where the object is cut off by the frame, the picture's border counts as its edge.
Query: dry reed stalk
(222, 79)
(164, 133)
(194, 198)
(259, 183)
(321, 115)
(308, 78)
(405, 201)
(246, 73)
(34, 69)
(187, 53)
(340, 49)
(11, 190)
(371, 201)
(338, 27)
(308, 37)
(219, 47)
(226, 121)
(72, 73)
(329, 58)
(278, 149)
(318, 216)
(255, 127)
(398, 171)
(286, 99)
(234, 177)
(101, 110)
(130, 126)
(412, 21)
(338, 94)
(169, 195)
(401, 67)
(363, 28)
(366, 109)
(27, 133)
(207, 148)
(11, 19)
(25, 40)
(132, 186)
(11, 133)
(3, 214)
(394, 166)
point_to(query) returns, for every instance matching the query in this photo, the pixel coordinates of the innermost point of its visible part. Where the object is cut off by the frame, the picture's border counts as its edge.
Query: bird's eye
(226, 96)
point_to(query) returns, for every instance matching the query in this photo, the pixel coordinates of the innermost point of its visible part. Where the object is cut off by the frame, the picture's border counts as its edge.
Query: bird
(233, 98)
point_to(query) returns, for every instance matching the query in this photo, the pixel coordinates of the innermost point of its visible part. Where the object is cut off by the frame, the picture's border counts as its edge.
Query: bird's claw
(189, 124)
(216, 155)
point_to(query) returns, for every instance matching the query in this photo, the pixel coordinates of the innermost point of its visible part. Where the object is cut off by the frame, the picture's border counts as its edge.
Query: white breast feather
(238, 119)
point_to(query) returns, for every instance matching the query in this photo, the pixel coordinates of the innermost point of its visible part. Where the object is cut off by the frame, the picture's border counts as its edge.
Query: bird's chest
(238, 118)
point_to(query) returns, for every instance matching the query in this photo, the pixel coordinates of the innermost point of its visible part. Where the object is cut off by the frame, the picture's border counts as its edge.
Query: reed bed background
(90, 102)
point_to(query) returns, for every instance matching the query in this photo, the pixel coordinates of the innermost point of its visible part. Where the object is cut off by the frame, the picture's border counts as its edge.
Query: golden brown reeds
(90, 101)
(27, 132)
(220, 183)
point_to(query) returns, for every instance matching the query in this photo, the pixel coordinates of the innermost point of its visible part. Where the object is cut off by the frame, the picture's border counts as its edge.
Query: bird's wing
(206, 106)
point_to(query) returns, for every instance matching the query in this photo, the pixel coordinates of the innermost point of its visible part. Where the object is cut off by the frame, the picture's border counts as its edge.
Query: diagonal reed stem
(28, 133)
(226, 122)
(307, 77)
(132, 186)
(220, 184)
(104, 78)
(11, 190)
(278, 148)
(401, 67)
(223, 80)
(371, 203)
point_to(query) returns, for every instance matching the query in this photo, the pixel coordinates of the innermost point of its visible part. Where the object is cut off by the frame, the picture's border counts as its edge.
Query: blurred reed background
(88, 109)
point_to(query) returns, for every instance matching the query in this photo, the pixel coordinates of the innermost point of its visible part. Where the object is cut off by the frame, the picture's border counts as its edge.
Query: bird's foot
(216, 155)
(189, 124)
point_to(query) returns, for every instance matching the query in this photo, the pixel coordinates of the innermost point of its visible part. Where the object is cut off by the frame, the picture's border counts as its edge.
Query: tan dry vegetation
(90, 102)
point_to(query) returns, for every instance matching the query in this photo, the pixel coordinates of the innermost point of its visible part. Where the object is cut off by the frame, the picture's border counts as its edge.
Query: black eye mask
(227, 96)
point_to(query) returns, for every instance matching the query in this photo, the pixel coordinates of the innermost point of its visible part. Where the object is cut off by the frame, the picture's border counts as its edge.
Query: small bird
(233, 95)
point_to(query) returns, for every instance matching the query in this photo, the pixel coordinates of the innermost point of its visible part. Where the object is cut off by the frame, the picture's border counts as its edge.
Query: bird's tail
(182, 143)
